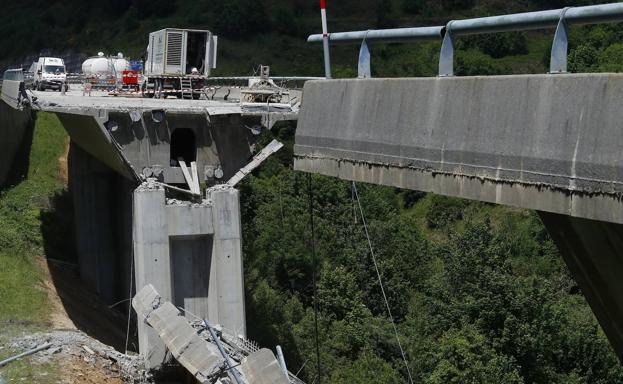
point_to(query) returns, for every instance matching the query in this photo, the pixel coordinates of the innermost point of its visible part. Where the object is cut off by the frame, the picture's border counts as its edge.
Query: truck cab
(49, 74)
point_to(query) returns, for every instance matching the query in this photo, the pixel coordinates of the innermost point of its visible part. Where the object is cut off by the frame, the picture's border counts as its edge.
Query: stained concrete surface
(545, 142)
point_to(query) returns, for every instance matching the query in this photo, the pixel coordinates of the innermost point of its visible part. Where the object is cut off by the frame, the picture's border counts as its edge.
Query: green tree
(368, 368)
(611, 59)
(464, 357)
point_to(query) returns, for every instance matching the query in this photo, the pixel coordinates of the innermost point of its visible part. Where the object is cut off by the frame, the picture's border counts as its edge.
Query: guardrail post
(325, 39)
(364, 69)
(560, 46)
(446, 57)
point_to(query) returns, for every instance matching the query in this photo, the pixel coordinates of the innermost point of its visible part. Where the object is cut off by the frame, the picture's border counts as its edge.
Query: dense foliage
(479, 292)
(273, 32)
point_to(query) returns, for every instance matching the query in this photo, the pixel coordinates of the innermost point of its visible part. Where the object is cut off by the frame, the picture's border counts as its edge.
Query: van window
(54, 69)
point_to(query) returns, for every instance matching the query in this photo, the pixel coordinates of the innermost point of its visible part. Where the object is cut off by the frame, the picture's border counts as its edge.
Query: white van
(49, 74)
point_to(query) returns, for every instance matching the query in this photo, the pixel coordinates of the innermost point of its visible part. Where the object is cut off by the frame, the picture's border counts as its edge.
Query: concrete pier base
(191, 254)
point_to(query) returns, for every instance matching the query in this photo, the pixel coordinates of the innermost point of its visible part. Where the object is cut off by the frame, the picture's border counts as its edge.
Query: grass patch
(24, 371)
(21, 296)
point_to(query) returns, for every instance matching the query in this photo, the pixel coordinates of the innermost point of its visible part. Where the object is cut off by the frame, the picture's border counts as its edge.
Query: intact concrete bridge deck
(551, 143)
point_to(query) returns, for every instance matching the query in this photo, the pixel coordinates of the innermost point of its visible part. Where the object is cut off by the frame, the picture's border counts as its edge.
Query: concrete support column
(593, 251)
(151, 260)
(192, 255)
(90, 184)
(227, 260)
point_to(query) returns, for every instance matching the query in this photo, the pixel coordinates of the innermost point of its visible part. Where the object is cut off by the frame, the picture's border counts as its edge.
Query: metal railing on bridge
(561, 19)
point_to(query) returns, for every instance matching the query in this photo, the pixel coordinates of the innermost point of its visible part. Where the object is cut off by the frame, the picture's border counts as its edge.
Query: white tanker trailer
(104, 71)
(178, 62)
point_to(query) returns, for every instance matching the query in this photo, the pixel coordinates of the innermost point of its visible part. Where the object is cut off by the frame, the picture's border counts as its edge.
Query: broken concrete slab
(201, 356)
(262, 367)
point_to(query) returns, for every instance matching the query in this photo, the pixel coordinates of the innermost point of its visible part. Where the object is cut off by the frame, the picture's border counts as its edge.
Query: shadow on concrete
(21, 163)
(16, 133)
(87, 310)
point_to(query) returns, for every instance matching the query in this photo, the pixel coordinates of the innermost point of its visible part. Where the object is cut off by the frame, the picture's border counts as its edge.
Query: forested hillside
(273, 32)
(479, 292)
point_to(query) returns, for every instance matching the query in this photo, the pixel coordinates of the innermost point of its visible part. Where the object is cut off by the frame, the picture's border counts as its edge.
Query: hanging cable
(127, 332)
(378, 274)
(314, 269)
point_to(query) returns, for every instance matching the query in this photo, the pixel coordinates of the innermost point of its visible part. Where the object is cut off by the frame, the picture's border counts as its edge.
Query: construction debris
(129, 368)
(208, 353)
(271, 148)
(24, 354)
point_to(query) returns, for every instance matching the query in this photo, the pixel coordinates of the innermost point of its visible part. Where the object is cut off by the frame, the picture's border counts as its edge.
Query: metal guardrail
(561, 19)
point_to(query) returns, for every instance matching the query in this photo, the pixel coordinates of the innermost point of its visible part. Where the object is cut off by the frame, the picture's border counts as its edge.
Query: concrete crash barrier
(547, 142)
(12, 92)
(16, 130)
(200, 357)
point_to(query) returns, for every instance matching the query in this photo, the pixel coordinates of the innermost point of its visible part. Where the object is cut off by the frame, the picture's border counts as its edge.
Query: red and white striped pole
(325, 39)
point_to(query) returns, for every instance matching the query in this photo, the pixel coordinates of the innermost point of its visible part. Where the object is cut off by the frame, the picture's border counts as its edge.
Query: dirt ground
(87, 337)
(58, 315)
(81, 372)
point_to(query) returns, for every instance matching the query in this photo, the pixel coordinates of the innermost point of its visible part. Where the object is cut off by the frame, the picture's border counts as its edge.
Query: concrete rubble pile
(193, 347)
(129, 368)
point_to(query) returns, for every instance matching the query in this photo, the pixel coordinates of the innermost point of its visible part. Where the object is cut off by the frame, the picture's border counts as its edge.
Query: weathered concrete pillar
(124, 195)
(593, 251)
(191, 253)
(90, 183)
(151, 260)
(228, 260)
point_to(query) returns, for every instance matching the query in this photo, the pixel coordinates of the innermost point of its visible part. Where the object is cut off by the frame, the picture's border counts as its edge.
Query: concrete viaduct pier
(551, 143)
(148, 178)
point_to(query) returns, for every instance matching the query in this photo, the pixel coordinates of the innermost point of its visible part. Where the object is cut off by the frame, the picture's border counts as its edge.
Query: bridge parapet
(13, 88)
(545, 142)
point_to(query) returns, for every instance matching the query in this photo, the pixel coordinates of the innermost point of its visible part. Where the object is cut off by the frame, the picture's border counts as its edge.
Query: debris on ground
(85, 357)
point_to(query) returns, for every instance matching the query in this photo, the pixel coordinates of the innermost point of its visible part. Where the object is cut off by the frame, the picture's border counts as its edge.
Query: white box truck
(49, 73)
(178, 61)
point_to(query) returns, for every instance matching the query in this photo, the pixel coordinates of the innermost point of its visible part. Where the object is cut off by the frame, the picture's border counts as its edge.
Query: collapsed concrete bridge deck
(137, 135)
(135, 170)
(551, 143)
